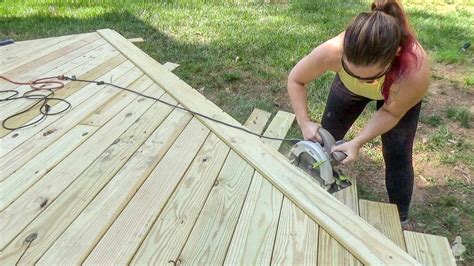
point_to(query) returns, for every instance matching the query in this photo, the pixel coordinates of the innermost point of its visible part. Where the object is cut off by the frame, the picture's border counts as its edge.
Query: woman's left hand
(350, 148)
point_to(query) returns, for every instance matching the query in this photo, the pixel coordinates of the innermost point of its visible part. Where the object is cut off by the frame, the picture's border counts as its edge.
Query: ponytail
(374, 37)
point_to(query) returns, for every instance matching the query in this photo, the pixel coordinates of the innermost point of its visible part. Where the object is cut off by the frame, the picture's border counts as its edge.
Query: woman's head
(380, 40)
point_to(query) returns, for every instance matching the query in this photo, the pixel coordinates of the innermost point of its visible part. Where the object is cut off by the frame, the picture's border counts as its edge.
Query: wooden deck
(123, 179)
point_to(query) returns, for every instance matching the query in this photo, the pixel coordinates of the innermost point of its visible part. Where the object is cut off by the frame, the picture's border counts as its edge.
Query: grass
(461, 115)
(239, 53)
(432, 120)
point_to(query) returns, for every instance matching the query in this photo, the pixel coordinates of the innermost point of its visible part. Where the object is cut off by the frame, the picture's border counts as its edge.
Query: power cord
(45, 108)
(38, 86)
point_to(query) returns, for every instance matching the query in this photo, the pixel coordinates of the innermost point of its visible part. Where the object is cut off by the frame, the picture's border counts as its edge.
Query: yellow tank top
(370, 90)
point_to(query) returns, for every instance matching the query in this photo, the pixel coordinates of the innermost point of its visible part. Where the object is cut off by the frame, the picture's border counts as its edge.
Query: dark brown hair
(374, 38)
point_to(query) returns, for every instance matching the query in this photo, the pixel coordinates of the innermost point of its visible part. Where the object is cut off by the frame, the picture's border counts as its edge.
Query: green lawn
(239, 55)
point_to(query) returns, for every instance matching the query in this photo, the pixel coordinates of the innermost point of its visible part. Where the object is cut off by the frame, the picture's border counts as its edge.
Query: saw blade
(311, 158)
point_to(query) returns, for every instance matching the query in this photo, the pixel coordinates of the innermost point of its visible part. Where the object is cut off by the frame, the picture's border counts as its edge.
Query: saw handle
(329, 142)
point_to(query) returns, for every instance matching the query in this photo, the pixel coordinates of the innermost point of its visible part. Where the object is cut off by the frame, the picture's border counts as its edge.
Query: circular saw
(318, 161)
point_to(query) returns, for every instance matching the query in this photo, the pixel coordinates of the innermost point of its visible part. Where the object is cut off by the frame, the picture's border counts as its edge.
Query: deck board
(170, 249)
(150, 183)
(22, 145)
(27, 48)
(429, 249)
(385, 218)
(174, 224)
(297, 237)
(36, 199)
(137, 218)
(31, 172)
(57, 66)
(330, 252)
(86, 230)
(369, 245)
(70, 43)
(252, 242)
(85, 57)
(12, 50)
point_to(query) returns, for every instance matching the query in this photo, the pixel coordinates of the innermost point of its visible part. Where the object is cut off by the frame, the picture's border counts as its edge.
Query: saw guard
(315, 151)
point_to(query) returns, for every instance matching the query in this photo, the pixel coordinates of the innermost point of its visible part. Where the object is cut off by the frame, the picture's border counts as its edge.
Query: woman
(376, 58)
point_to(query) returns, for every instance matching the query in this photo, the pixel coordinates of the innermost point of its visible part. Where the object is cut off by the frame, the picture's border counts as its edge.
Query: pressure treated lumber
(297, 237)
(137, 218)
(112, 151)
(252, 243)
(136, 40)
(170, 66)
(89, 66)
(175, 222)
(20, 213)
(170, 248)
(369, 245)
(348, 196)
(11, 50)
(213, 232)
(35, 139)
(330, 252)
(429, 249)
(109, 202)
(18, 49)
(86, 229)
(84, 92)
(28, 55)
(384, 217)
(103, 114)
(56, 61)
(31, 172)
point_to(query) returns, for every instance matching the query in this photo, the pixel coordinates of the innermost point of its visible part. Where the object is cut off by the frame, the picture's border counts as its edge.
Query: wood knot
(85, 134)
(51, 131)
(141, 100)
(205, 159)
(116, 141)
(43, 203)
(15, 135)
(128, 115)
(31, 237)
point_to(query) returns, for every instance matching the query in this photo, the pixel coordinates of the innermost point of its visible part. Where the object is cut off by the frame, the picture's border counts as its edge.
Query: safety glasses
(344, 66)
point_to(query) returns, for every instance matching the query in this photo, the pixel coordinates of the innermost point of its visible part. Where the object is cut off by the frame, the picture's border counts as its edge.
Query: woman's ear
(398, 50)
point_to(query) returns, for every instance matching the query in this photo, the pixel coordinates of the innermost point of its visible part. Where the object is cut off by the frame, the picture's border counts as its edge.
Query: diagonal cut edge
(355, 234)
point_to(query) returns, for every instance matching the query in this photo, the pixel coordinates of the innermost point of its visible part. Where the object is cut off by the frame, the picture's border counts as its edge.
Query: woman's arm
(320, 60)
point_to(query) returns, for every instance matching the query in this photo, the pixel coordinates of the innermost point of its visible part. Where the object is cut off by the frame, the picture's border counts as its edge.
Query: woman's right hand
(310, 131)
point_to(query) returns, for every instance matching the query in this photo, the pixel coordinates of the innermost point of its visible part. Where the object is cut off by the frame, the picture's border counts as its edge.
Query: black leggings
(342, 109)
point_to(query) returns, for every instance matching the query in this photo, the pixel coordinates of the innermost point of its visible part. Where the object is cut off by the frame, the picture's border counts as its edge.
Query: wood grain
(330, 252)
(384, 217)
(429, 249)
(133, 224)
(22, 145)
(22, 211)
(369, 245)
(147, 252)
(91, 166)
(87, 229)
(30, 173)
